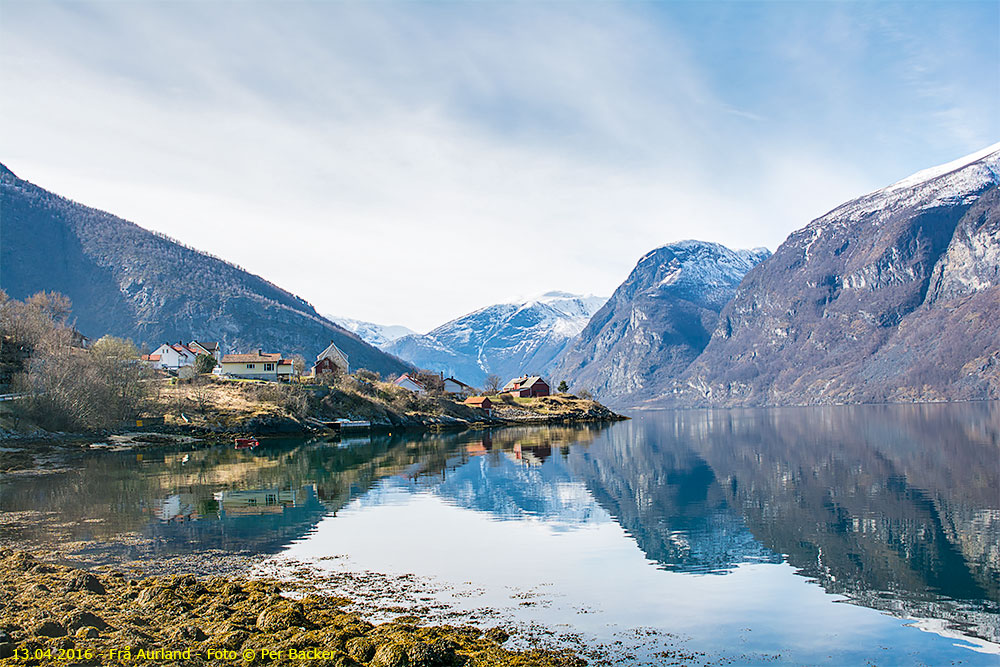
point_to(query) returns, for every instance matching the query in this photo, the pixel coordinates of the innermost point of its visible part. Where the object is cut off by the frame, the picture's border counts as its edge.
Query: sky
(408, 162)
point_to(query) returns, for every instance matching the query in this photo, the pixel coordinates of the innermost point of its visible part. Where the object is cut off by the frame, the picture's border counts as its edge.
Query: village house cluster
(178, 358)
(525, 386)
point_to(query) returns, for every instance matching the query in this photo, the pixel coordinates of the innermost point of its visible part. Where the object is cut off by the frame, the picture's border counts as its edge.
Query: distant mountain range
(893, 296)
(506, 339)
(130, 282)
(370, 332)
(657, 322)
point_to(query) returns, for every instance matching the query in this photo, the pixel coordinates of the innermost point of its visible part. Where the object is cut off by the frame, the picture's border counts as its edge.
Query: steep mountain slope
(894, 296)
(378, 335)
(127, 281)
(505, 339)
(657, 322)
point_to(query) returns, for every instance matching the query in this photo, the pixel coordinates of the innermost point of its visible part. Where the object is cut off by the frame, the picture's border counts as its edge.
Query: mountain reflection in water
(894, 507)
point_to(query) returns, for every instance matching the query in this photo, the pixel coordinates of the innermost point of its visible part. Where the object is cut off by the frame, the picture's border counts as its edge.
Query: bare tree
(433, 382)
(201, 395)
(299, 365)
(70, 387)
(120, 376)
(492, 386)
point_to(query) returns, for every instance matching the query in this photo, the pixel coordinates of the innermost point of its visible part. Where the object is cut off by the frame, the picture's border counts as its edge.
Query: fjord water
(829, 535)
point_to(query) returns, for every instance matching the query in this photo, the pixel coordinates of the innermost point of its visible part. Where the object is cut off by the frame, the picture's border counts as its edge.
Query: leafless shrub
(70, 387)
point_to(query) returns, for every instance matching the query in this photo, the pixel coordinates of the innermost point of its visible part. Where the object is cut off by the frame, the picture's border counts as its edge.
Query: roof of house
(524, 381)
(406, 376)
(184, 349)
(458, 382)
(150, 357)
(251, 357)
(331, 350)
(211, 347)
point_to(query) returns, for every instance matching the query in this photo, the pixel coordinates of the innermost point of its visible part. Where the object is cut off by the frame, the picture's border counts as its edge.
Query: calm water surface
(840, 535)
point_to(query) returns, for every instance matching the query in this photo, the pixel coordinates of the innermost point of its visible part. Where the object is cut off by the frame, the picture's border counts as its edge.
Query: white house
(453, 386)
(171, 356)
(331, 360)
(414, 385)
(258, 365)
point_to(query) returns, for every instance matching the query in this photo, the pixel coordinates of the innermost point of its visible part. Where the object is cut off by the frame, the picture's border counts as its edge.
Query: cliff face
(127, 281)
(893, 296)
(657, 322)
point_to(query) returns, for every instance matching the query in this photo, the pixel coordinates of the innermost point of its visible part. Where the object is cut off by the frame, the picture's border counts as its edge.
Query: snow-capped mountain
(506, 339)
(657, 321)
(374, 334)
(893, 296)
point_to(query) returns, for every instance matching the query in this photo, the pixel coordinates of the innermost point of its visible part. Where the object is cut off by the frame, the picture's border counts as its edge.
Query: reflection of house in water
(178, 507)
(255, 501)
(484, 446)
(258, 520)
(532, 454)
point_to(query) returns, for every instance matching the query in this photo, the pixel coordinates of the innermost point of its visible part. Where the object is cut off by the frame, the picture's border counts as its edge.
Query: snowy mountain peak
(924, 175)
(693, 265)
(658, 320)
(370, 332)
(959, 180)
(506, 339)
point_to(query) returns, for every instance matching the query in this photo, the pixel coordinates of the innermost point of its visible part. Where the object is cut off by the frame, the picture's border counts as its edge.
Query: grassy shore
(58, 615)
(226, 405)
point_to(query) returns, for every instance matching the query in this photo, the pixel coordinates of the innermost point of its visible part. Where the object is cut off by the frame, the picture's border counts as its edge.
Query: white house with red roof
(171, 356)
(407, 382)
(258, 365)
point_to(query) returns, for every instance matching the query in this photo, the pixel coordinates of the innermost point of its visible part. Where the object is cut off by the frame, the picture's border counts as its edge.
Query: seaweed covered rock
(184, 620)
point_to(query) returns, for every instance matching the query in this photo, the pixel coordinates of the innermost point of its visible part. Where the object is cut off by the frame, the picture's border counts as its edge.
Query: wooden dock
(340, 425)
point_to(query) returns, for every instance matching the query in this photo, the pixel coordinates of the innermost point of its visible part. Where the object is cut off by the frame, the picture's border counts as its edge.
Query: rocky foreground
(53, 614)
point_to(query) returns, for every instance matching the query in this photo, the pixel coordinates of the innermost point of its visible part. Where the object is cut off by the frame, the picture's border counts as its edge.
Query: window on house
(268, 367)
(251, 366)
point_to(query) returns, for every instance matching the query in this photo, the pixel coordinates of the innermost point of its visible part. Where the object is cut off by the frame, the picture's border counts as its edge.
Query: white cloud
(420, 161)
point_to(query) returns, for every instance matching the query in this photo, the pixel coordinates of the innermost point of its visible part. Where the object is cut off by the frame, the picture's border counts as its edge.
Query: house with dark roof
(258, 365)
(453, 386)
(210, 348)
(527, 386)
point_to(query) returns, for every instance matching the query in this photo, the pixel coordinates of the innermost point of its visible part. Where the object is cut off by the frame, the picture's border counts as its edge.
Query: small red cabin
(483, 402)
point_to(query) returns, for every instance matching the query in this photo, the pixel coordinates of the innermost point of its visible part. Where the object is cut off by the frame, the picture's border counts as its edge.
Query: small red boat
(246, 443)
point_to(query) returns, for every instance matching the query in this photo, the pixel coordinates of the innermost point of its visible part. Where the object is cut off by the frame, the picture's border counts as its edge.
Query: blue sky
(409, 162)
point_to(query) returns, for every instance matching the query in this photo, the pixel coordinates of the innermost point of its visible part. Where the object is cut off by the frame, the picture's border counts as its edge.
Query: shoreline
(215, 411)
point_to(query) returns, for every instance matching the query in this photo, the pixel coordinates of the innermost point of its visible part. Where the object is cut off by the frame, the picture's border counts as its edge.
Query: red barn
(483, 402)
(527, 386)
